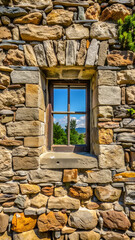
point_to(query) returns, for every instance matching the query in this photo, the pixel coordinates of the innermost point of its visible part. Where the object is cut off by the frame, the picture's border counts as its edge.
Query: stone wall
(65, 39)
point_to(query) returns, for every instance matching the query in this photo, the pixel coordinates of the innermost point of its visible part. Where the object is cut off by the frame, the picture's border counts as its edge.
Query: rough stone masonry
(65, 39)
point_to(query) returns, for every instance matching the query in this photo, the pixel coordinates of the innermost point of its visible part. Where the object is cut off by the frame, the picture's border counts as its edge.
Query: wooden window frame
(50, 113)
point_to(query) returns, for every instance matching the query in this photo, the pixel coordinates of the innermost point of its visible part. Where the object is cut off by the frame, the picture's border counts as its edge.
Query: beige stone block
(32, 95)
(105, 112)
(25, 128)
(41, 115)
(25, 163)
(111, 156)
(34, 141)
(41, 99)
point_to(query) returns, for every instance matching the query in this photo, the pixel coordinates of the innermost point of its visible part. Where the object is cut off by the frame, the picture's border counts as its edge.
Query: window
(69, 114)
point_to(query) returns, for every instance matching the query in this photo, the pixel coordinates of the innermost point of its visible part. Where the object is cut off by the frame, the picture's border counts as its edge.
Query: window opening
(69, 116)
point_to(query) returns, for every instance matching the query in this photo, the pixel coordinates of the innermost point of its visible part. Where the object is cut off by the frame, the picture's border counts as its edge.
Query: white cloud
(63, 121)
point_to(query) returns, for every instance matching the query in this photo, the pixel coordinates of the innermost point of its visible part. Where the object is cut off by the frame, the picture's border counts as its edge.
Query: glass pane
(77, 129)
(78, 100)
(60, 99)
(60, 129)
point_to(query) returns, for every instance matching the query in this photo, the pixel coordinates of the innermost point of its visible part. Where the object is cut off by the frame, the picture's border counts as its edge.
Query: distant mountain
(81, 130)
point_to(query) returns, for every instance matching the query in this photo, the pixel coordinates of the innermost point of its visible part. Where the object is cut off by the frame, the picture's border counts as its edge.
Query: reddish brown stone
(120, 58)
(8, 204)
(82, 193)
(92, 205)
(115, 220)
(127, 157)
(108, 125)
(53, 221)
(70, 175)
(14, 57)
(115, 12)
(48, 191)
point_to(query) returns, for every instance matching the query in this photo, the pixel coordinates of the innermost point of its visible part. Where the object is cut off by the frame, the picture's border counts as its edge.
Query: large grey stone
(40, 55)
(103, 30)
(83, 219)
(121, 111)
(27, 114)
(5, 159)
(20, 201)
(25, 128)
(129, 123)
(107, 77)
(77, 31)
(102, 53)
(63, 203)
(109, 95)
(71, 51)
(50, 54)
(126, 77)
(92, 53)
(67, 160)
(12, 12)
(130, 195)
(100, 176)
(9, 188)
(45, 176)
(126, 137)
(24, 77)
(111, 156)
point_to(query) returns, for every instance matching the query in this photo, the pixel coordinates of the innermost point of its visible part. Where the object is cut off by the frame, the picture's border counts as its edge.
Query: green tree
(75, 137)
(126, 32)
(59, 135)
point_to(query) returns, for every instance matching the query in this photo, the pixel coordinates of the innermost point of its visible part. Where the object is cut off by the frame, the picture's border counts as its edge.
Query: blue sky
(77, 103)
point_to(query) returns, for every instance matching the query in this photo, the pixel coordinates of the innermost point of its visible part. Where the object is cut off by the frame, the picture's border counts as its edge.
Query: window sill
(60, 160)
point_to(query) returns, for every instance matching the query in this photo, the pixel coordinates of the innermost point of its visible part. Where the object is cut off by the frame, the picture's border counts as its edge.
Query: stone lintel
(59, 160)
(72, 72)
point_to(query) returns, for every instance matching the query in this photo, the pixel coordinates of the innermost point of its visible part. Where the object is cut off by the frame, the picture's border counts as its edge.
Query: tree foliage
(126, 32)
(60, 135)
